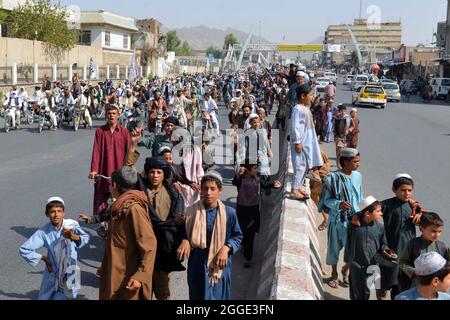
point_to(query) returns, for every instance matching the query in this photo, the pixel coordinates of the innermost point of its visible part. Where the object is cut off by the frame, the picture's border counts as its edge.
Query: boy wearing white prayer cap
(62, 238)
(364, 243)
(431, 227)
(433, 273)
(401, 214)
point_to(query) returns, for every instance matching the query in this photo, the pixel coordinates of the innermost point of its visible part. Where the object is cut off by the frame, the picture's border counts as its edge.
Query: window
(107, 38)
(375, 90)
(446, 83)
(85, 37)
(125, 41)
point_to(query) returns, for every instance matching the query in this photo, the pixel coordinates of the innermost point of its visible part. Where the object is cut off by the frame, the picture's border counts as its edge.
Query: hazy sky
(288, 21)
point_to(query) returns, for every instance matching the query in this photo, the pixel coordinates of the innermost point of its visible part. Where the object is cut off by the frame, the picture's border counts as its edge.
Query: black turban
(157, 163)
(172, 120)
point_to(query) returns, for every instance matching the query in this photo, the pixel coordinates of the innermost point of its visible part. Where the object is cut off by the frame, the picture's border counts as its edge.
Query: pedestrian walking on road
(354, 130)
(341, 127)
(214, 235)
(111, 144)
(130, 249)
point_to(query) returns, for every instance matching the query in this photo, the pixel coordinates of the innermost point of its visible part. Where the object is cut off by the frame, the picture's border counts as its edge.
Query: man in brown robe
(130, 248)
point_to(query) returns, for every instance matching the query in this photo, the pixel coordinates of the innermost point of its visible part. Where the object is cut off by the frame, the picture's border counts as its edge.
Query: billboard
(300, 47)
(441, 34)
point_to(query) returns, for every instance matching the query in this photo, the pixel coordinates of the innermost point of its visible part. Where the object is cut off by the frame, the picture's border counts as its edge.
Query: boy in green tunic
(431, 227)
(364, 242)
(400, 224)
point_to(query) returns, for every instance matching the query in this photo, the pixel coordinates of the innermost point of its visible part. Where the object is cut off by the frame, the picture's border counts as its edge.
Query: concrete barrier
(288, 244)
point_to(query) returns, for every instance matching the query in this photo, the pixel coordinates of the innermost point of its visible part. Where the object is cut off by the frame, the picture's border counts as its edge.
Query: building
(150, 45)
(411, 62)
(381, 37)
(111, 32)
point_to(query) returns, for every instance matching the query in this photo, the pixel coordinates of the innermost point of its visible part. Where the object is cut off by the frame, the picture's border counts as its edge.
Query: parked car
(441, 87)
(370, 95)
(392, 91)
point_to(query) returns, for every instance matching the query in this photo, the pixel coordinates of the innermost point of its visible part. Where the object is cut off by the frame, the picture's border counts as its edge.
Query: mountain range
(202, 37)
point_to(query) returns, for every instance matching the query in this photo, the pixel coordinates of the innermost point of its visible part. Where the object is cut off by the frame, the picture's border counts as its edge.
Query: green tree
(217, 53)
(354, 59)
(173, 42)
(42, 21)
(185, 50)
(229, 39)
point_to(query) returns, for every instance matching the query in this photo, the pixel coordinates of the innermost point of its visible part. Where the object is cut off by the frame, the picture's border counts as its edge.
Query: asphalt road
(412, 138)
(405, 137)
(34, 167)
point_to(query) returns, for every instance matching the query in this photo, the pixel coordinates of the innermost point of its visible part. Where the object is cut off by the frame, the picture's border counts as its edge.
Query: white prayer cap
(402, 175)
(238, 91)
(53, 199)
(252, 116)
(300, 74)
(164, 149)
(354, 110)
(367, 202)
(429, 263)
(349, 153)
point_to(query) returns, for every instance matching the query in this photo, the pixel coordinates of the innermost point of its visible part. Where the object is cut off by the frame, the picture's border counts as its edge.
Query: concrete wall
(27, 52)
(97, 37)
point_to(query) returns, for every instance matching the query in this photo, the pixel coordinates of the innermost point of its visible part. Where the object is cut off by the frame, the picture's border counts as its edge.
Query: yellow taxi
(370, 95)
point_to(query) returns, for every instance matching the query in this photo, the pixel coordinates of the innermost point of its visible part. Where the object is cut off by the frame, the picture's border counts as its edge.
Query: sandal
(345, 279)
(333, 282)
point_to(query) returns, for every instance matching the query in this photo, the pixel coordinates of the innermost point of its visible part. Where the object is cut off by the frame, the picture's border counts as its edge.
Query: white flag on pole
(135, 71)
(92, 70)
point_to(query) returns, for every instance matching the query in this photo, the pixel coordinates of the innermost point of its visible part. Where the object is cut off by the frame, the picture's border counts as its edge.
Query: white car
(331, 75)
(321, 83)
(441, 87)
(383, 81)
(359, 81)
(348, 80)
(392, 91)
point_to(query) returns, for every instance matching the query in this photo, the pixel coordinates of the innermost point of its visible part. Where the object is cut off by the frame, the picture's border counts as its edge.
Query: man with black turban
(166, 211)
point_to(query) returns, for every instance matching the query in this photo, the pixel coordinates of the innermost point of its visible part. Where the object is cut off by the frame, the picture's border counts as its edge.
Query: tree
(230, 39)
(185, 50)
(41, 21)
(173, 42)
(217, 53)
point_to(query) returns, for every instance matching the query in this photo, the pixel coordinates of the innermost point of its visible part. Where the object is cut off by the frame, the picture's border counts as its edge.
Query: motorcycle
(27, 112)
(9, 114)
(63, 115)
(45, 119)
(79, 117)
(126, 114)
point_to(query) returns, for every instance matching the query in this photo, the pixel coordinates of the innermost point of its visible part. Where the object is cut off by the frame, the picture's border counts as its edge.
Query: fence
(29, 74)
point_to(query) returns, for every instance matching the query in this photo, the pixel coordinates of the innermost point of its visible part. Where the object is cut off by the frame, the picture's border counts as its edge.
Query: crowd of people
(154, 218)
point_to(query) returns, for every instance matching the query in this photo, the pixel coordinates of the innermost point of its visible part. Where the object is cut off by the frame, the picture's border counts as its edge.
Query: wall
(97, 37)
(116, 40)
(27, 52)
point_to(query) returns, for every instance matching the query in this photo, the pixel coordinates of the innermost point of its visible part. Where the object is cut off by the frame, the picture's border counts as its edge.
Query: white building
(107, 30)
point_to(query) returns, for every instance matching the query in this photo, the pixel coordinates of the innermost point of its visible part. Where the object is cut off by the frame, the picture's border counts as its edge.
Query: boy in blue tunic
(214, 235)
(62, 238)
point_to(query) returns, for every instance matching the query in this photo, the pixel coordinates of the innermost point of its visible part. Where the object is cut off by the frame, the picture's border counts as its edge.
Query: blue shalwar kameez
(339, 187)
(49, 237)
(198, 278)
